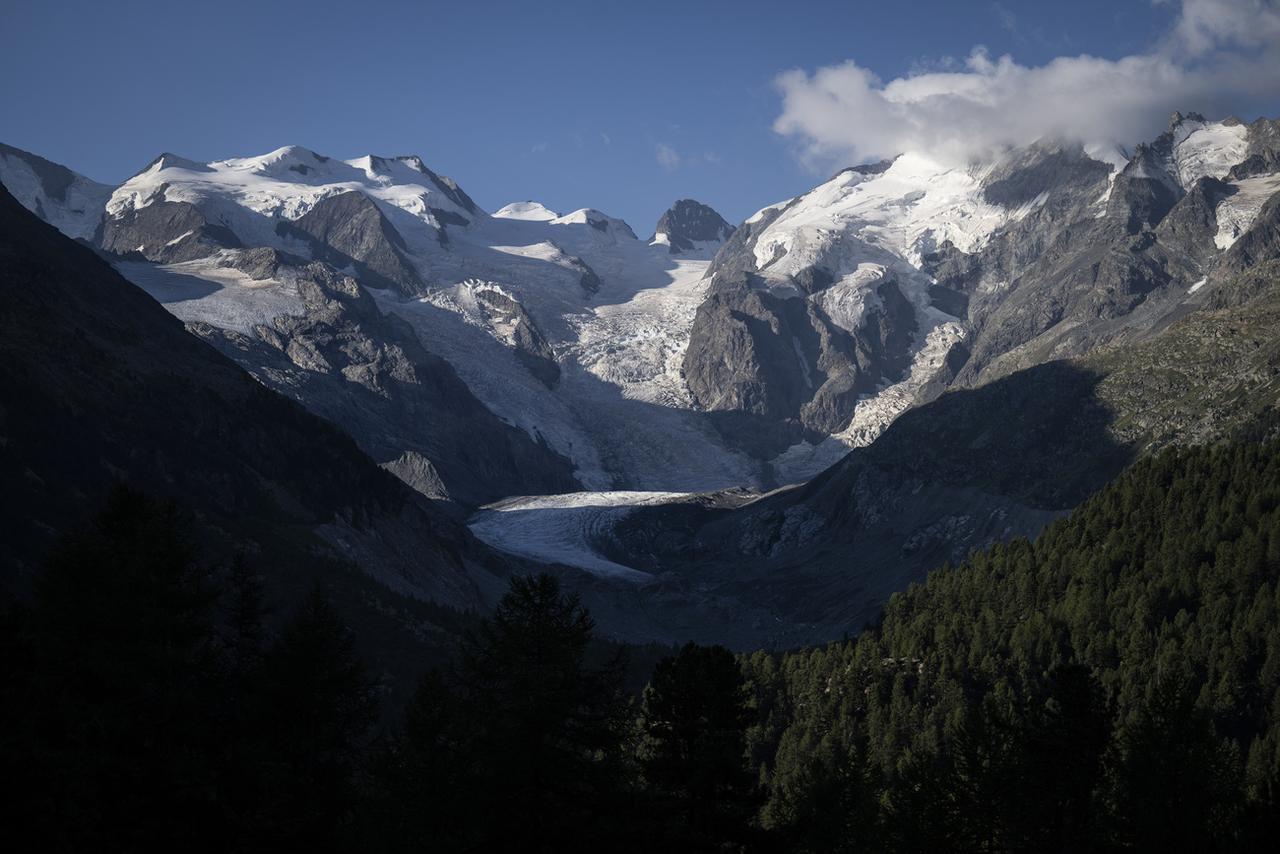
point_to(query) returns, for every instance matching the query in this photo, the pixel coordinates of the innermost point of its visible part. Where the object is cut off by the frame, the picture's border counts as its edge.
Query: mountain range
(750, 435)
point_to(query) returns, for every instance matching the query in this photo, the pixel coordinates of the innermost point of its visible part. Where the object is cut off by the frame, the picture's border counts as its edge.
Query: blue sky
(623, 106)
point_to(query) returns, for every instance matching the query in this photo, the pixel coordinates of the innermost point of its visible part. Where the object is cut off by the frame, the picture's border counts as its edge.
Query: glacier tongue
(564, 529)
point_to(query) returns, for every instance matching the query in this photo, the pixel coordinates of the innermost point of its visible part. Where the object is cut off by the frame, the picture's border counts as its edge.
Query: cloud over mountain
(1219, 54)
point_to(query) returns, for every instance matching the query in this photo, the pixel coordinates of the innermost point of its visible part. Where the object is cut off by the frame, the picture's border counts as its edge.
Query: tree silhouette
(694, 757)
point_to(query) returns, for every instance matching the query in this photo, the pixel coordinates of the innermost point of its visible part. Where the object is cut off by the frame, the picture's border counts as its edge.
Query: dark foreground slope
(99, 385)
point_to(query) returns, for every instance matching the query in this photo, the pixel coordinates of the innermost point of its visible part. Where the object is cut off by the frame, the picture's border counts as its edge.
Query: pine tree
(1175, 781)
(694, 722)
(127, 683)
(315, 711)
(544, 730)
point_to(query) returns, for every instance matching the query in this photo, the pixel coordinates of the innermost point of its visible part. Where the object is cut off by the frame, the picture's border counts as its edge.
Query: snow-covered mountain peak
(168, 160)
(903, 212)
(390, 169)
(289, 159)
(69, 201)
(249, 196)
(1192, 148)
(530, 211)
(601, 222)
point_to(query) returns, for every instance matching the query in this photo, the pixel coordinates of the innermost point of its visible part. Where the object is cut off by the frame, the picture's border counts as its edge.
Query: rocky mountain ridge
(915, 311)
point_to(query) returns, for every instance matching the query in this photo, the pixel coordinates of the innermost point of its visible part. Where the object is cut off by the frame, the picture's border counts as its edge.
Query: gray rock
(349, 230)
(262, 262)
(531, 346)
(165, 232)
(417, 471)
(688, 221)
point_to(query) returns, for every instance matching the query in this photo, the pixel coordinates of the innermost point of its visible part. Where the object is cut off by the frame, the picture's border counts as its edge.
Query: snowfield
(903, 213)
(202, 292)
(1208, 149)
(1238, 211)
(76, 212)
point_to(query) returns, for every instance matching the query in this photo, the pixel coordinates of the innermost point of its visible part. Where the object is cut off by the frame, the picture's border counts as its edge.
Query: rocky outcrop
(348, 229)
(782, 358)
(1028, 175)
(1263, 152)
(514, 325)
(688, 223)
(367, 372)
(165, 232)
(261, 263)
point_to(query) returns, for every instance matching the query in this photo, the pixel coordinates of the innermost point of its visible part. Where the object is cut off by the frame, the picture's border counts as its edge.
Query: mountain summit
(689, 223)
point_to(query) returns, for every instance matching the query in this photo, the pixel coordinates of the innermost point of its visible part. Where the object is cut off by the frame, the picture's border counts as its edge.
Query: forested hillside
(1113, 684)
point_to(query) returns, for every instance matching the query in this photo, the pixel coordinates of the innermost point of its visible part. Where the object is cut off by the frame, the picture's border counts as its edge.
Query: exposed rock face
(783, 359)
(368, 373)
(417, 471)
(444, 184)
(794, 351)
(1071, 276)
(1027, 174)
(589, 281)
(1083, 257)
(687, 223)
(1260, 244)
(100, 385)
(349, 230)
(519, 330)
(1263, 152)
(165, 232)
(262, 263)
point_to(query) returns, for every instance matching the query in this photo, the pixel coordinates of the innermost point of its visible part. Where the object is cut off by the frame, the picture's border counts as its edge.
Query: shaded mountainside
(366, 371)
(100, 385)
(971, 468)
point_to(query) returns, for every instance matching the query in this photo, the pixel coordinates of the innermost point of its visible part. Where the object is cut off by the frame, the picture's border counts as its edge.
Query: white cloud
(668, 157)
(1218, 53)
(1206, 25)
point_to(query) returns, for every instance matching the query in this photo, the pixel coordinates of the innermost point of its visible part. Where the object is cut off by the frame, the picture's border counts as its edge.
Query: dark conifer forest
(1113, 685)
